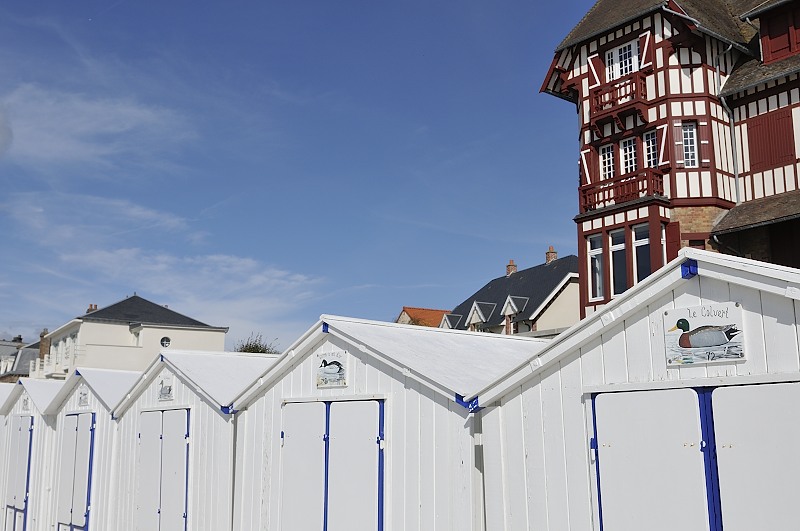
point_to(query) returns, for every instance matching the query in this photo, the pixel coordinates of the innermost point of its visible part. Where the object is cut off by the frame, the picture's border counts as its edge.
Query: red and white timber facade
(663, 155)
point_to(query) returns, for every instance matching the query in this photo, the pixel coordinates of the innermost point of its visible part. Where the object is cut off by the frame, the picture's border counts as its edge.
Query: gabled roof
(753, 72)
(450, 362)
(5, 392)
(763, 7)
(42, 392)
(108, 385)
(715, 17)
(514, 305)
(138, 310)
(778, 280)
(451, 321)
(220, 377)
(764, 211)
(424, 316)
(535, 283)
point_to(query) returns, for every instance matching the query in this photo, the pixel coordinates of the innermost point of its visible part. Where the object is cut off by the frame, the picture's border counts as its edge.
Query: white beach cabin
(5, 391)
(29, 457)
(85, 440)
(176, 442)
(676, 406)
(363, 426)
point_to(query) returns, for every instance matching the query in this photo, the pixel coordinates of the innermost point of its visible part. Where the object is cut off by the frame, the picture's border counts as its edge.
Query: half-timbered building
(687, 109)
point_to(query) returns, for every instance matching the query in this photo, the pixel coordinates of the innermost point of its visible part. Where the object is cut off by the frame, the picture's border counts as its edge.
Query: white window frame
(622, 60)
(689, 138)
(607, 168)
(596, 283)
(650, 149)
(612, 248)
(636, 244)
(627, 149)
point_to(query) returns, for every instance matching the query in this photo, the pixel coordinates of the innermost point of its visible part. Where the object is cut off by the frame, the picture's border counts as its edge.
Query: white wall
(210, 458)
(536, 439)
(429, 456)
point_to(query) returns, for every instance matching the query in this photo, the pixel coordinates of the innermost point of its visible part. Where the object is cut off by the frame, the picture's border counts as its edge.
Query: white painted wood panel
(148, 471)
(651, 467)
(174, 472)
(756, 432)
(67, 469)
(353, 466)
(303, 466)
(83, 452)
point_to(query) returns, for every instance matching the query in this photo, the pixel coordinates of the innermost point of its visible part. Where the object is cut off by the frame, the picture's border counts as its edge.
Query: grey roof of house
(535, 283)
(22, 364)
(716, 17)
(763, 7)
(753, 72)
(765, 211)
(137, 309)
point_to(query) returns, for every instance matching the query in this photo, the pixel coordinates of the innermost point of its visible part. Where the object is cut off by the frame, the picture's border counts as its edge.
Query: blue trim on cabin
(229, 410)
(186, 489)
(324, 328)
(381, 437)
(594, 445)
(78, 373)
(709, 449)
(327, 443)
(689, 268)
(471, 405)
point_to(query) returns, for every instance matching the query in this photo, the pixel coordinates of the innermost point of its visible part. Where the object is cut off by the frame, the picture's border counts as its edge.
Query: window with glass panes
(595, 252)
(689, 144)
(641, 252)
(628, 148)
(619, 266)
(622, 60)
(650, 141)
(607, 162)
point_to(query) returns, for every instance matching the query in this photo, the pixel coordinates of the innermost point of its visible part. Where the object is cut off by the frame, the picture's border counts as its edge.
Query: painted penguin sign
(332, 369)
(712, 333)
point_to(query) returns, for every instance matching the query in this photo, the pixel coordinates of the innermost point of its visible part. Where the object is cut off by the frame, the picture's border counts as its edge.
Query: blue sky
(257, 164)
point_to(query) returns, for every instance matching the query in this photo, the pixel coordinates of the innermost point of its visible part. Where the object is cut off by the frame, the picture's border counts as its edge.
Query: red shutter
(673, 235)
(677, 141)
(783, 136)
(704, 148)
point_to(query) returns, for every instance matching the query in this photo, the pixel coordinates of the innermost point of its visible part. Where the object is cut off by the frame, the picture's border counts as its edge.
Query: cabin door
(650, 461)
(332, 466)
(162, 471)
(75, 465)
(18, 477)
(757, 429)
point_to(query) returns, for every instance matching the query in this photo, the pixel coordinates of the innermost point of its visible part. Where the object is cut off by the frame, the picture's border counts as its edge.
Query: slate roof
(137, 309)
(763, 7)
(22, 364)
(716, 17)
(535, 283)
(758, 212)
(425, 316)
(753, 72)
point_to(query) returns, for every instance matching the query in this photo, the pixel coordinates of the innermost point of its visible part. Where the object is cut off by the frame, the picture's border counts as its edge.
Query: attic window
(165, 341)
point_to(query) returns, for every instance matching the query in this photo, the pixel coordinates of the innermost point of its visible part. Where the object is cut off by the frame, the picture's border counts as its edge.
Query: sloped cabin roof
(450, 362)
(775, 279)
(109, 385)
(218, 376)
(42, 393)
(715, 17)
(535, 283)
(136, 309)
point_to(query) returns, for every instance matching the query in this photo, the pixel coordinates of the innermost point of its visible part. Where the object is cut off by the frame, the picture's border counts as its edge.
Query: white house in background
(126, 335)
(176, 442)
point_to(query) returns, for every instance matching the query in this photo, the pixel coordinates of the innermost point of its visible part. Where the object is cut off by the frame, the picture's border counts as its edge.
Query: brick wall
(697, 222)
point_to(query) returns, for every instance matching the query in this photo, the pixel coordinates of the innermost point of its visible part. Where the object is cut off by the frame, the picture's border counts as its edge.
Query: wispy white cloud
(52, 128)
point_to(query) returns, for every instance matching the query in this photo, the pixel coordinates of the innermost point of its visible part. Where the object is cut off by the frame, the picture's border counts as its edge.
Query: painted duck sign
(712, 333)
(332, 369)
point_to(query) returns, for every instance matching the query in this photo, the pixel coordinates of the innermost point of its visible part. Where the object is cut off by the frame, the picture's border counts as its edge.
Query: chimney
(550, 255)
(44, 344)
(91, 308)
(17, 339)
(511, 268)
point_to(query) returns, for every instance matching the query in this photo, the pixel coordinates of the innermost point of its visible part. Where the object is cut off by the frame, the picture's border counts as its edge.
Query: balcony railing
(642, 183)
(625, 95)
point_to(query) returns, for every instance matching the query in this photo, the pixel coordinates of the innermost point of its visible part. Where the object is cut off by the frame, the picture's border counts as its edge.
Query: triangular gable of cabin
(109, 386)
(5, 392)
(629, 342)
(219, 378)
(453, 363)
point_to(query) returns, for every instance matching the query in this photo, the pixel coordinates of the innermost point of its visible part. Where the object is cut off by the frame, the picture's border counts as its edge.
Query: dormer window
(622, 60)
